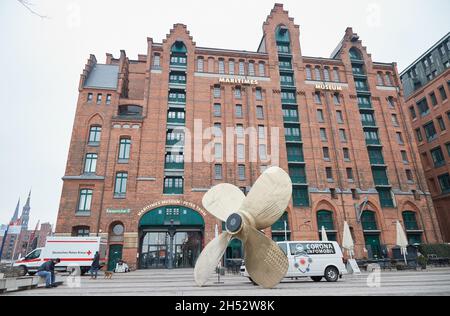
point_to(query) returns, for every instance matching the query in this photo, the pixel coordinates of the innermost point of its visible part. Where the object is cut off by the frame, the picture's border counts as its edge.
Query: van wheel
(253, 282)
(22, 270)
(317, 278)
(331, 274)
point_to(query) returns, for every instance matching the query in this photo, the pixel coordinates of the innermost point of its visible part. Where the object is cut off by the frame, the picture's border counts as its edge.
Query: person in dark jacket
(95, 266)
(47, 271)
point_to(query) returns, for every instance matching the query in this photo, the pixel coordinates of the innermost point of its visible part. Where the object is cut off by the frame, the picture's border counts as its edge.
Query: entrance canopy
(178, 215)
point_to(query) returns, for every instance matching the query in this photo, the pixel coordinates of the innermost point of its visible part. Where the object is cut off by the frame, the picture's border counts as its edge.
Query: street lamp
(172, 232)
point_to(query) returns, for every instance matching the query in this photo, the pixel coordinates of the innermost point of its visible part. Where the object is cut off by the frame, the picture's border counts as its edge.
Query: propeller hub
(234, 223)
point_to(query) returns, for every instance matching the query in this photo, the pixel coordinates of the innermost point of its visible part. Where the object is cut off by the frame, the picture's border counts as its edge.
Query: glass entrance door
(155, 250)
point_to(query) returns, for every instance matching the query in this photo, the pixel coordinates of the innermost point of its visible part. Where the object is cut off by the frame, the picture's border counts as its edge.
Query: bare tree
(29, 6)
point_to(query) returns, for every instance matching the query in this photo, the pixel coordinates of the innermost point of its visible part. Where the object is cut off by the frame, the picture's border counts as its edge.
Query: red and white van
(73, 252)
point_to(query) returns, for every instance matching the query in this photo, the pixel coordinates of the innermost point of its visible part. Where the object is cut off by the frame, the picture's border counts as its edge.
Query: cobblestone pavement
(181, 283)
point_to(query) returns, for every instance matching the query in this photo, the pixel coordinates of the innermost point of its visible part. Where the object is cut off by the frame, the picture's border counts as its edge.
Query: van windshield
(34, 255)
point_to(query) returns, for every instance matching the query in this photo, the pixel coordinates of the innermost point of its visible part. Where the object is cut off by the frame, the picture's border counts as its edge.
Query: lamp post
(172, 232)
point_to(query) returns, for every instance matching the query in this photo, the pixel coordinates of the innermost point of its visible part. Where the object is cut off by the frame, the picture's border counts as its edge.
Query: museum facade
(152, 135)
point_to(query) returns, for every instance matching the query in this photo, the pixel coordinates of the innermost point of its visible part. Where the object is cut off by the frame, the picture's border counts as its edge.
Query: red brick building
(138, 165)
(427, 93)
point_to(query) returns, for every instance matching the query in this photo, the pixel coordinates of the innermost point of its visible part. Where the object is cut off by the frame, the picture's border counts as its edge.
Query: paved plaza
(181, 283)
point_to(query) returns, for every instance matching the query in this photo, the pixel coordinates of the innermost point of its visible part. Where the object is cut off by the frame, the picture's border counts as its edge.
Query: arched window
(326, 74)
(283, 39)
(308, 73)
(380, 79)
(355, 54)
(200, 64)
(325, 219)
(251, 68)
(262, 70)
(178, 54)
(318, 77)
(281, 229)
(231, 70)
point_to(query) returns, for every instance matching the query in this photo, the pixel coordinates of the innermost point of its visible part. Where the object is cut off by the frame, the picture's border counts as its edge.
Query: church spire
(16, 213)
(25, 218)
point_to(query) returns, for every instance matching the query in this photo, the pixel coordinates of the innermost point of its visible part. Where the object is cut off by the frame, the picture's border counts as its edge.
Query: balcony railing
(298, 179)
(296, 158)
(294, 119)
(369, 123)
(373, 142)
(176, 120)
(174, 166)
(295, 139)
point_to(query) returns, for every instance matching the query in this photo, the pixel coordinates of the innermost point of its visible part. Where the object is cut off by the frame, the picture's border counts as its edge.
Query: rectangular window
(261, 132)
(317, 74)
(251, 69)
(241, 172)
(124, 149)
(395, 120)
(400, 140)
(343, 135)
(240, 152)
(317, 98)
(216, 92)
(405, 157)
(444, 182)
(409, 175)
(259, 112)
(85, 200)
(231, 67)
(240, 130)
(320, 117)
(262, 72)
(221, 66)
(350, 174)
(419, 135)
(326, 74)
(120, 188)
(412, 111)
(258, 94)
(336, 75)
(218, 172)
(218, 151)
(438, 157)
(329, 173)
(238, 110)
(386, 199)
(94, 134)
(339, 116)
(336, 99)
(108, 99)
(217, 110)
(90, 164)
(238, 93)
(387, 80)
(217, 131)
(200, 64)
(326, 153)
(262, 152)
(241, 68)
(430, 132)
(422, 105)
(346, 154)
(443, 93)
(323, 134)
(173, 185)
(308, 73)
(99, 98)
(300, 196)
(90, 96)
(433, 99)
(441, 123)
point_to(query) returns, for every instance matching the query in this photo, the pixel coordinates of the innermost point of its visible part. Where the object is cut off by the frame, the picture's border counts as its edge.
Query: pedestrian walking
(95, 266)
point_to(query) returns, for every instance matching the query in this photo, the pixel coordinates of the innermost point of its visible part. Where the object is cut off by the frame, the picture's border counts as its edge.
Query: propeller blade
(269, 197)
(210, 257)
(265, 262)
(223, 200)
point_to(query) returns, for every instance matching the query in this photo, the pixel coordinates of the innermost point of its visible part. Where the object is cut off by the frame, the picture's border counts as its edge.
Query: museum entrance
(170, 238)
(156, 248)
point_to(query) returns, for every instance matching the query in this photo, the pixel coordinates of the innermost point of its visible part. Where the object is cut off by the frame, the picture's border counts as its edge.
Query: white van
(314, 259)
(73, 252)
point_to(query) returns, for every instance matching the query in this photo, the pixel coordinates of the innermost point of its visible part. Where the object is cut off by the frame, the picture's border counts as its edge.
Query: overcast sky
(41, 61)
